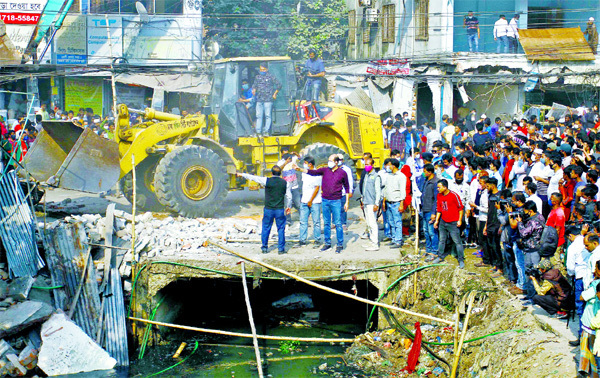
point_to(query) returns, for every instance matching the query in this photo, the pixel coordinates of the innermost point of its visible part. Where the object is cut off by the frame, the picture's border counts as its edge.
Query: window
(544, 18)
(352, 27)
(388, 23)
(168, 6)
(422, 20)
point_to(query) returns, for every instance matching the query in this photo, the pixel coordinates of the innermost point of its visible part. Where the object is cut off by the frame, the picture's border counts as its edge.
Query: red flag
(415, 351)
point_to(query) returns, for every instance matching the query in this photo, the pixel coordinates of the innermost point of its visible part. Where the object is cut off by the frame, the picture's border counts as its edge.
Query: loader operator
(278, 195)
(265, 89)
(315, 71)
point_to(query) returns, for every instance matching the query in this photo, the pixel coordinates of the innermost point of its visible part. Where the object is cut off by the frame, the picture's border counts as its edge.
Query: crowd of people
(523, 195)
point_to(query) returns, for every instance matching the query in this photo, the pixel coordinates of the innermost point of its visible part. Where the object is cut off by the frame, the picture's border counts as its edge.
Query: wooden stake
(134, 258)
(343, 294)
(246, 335)
(251, 318)
(462, 336)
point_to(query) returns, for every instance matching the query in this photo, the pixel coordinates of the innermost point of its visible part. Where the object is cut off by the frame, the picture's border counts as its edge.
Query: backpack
(549, 242)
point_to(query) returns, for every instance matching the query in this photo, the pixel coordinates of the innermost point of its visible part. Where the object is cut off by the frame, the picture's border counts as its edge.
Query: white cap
(508, 124)
(538, 151)
(591, 19)
(483, 116)
(561, 120)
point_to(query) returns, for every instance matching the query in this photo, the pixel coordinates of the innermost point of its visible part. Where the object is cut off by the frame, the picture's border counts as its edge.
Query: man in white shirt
(500, 35)
(530, 189)
(513, 34)
(310, 203)
(288, 173)
(348, 171)
(577, 266)
(432, 137)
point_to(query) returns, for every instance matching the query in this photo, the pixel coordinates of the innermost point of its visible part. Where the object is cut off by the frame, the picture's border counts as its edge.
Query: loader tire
(321, 152)
(191, 181)
(144, 176)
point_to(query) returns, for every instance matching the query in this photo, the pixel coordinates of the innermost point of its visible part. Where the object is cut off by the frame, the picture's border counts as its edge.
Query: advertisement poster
(83, 93)
(391, 67)
(98, 47)
(70, 41)
(21, 18)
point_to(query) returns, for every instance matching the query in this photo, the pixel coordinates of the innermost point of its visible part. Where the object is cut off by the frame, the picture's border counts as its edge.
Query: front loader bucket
(67, 156)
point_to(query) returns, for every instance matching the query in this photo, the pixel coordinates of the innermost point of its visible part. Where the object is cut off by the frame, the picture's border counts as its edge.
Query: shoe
(332, 226)
(386, 239)
(302, 243)
(280, 252)
(339, 249)
(515, 290)
(481, 265)
(561, 315)
(372, 248)
(264, 250)
(527, 303)
(364, 235)
(574, 343)
(325, 247)
(345, 227)
(461, 265)
(436, 260)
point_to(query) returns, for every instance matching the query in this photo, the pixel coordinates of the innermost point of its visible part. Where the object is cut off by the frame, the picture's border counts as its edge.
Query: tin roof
(555, 44)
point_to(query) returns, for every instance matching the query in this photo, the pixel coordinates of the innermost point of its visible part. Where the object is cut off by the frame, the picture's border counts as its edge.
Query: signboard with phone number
(20, 18)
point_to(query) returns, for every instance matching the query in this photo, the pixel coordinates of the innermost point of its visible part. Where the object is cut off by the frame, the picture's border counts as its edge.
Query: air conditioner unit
(364, 3)
(372, 15)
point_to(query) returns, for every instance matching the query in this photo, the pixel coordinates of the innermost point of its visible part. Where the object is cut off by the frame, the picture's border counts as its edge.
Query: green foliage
(288, 346)
(273, 27)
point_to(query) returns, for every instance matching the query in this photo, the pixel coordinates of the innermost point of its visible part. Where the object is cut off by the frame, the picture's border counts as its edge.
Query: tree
(274, 27)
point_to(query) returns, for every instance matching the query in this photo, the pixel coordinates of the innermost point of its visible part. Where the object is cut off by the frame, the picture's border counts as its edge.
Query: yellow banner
(83, 93)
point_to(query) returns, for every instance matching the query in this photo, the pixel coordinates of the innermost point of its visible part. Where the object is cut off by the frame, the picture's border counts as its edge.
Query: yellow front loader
(187, 165)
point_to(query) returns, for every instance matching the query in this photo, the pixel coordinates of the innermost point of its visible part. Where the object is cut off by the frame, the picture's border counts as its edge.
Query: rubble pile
(508, 339)
(167, 236)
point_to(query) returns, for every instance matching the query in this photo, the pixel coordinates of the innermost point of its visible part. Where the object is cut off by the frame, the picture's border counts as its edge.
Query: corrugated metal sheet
(66, 254)
(359, 99)
(555, 44)
(17, 228)
(379, 98)
(115, 331)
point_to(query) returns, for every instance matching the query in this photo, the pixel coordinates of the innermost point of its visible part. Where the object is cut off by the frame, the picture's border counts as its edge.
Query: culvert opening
(220, 304)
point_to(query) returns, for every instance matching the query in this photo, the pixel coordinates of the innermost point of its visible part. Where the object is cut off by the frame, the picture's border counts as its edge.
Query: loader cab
(235, 118)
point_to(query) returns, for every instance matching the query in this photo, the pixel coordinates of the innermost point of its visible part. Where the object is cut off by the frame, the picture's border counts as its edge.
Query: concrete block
(22, 316)
(19, 288)
(66, 349)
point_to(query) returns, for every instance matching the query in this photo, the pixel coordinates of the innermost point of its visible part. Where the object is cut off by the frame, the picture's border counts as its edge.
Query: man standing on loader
(265, 89)
(315, 71)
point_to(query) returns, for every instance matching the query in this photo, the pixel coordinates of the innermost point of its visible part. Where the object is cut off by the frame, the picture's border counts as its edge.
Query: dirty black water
(238, 358)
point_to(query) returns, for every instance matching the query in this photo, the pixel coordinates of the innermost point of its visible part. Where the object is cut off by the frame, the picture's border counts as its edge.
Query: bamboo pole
(251, 318)
(319, 286)
(134, 265)
(246, 335)
(462, 337)
(280, 359)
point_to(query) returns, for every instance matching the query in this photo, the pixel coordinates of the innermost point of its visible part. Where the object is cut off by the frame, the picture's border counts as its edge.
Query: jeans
(473, 42)
(512, 45)
(431, 234)
(502, 44)
(531, 260)
(387, 231)
(344, 214)
(395, 220)
(483, 242)
(548, 303)
(313, 88)
(450, 230)
(270, 215)
(579, 304)
(509, 260)
(315, 212)
(520, 261)
(296, 197)
(263, 108)
(331, 208)
(493, 241)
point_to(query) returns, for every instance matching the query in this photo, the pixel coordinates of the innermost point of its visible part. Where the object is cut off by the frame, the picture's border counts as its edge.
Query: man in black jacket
(278, 195)
(429, 193)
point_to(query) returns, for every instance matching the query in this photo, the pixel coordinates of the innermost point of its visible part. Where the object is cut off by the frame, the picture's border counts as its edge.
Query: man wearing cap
(552, 290)
(500, 35)
(592, 35)
(472, 24)
(315, 72)
(565, 152)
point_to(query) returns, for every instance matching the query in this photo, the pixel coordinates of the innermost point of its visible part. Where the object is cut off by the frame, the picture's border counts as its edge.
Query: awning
(555, 44)
(188, 83)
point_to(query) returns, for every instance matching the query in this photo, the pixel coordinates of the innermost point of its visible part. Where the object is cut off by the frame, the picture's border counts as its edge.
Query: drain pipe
(251, 318)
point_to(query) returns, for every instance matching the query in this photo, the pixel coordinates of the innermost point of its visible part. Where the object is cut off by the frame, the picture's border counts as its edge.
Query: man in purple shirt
(334, 180)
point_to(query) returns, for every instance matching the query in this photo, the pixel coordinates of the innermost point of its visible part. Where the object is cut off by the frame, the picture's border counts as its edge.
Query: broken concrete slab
(66, 349)
(22, 316)
(19, 288)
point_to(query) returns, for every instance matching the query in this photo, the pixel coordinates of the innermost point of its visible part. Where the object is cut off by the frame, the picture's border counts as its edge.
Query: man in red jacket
(448, 220)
